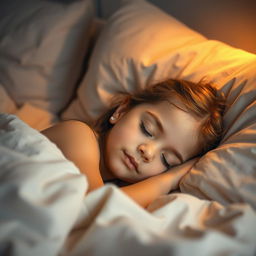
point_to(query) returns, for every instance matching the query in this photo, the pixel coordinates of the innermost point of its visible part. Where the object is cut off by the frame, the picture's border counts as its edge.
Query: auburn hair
(201, 99)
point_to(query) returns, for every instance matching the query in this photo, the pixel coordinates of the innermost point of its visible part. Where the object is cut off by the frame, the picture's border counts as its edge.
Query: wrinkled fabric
(40, 191)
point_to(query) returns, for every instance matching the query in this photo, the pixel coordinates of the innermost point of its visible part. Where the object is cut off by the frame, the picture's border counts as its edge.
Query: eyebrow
(160, 127)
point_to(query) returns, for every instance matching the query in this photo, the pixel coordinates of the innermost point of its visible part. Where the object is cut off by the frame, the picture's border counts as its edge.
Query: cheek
(126, 133)
(120, 139)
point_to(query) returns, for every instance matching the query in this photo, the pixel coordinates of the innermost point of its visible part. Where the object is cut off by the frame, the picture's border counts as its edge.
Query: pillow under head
(140, 44)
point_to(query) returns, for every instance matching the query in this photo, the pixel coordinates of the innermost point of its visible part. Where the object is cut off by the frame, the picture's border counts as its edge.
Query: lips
(130, 162)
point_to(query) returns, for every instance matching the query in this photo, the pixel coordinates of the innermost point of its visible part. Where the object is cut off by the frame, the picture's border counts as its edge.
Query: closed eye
(144, 130)
(164, 161)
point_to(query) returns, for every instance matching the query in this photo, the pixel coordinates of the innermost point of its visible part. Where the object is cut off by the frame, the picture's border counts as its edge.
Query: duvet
(45, 210)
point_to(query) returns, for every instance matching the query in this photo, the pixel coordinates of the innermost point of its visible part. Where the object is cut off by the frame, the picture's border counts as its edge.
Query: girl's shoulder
(75, 138)
(76, 126)
(71, 129)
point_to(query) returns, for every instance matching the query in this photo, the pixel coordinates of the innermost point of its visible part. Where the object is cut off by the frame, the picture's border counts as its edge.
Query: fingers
(175, 174)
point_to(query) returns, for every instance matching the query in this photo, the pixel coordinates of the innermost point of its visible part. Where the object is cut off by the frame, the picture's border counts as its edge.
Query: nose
(146, 152)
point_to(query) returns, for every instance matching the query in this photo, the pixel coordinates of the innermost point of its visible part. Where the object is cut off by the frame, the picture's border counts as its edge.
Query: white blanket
(44, 210)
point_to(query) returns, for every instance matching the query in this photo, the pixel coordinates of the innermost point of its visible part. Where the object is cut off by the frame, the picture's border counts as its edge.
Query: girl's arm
(144, 192)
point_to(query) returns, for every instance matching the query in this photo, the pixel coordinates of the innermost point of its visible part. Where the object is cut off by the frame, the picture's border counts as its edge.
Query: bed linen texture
(45, 210)
(40, 191)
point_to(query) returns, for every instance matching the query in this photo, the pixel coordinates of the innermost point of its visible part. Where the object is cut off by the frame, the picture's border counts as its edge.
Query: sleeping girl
(149, 139)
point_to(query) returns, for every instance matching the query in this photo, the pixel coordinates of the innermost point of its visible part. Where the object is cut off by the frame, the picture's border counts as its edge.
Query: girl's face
(149, 139)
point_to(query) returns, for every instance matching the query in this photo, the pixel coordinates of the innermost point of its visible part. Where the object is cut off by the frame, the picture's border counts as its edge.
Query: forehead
(180, 128)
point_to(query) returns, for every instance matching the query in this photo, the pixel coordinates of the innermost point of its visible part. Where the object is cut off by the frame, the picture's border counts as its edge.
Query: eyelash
(144, 130)
(147, 133)
(166, 164)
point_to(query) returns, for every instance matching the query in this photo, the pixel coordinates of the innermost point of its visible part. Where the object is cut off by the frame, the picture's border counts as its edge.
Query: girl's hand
(172, 177)
(145, 191)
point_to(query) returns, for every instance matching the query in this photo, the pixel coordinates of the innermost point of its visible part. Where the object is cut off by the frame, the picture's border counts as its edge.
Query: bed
(54, 68)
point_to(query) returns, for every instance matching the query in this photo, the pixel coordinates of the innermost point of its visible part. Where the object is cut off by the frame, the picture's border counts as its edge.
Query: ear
(120, 111)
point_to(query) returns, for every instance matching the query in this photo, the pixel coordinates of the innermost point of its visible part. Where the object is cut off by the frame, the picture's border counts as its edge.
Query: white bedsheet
(177, 224)
(44, 210)
(40, 191)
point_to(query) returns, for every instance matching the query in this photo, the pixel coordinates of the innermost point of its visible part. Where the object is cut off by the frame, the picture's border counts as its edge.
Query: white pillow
(228, 173)
(136, 40)
(141, 44)
(42, 47)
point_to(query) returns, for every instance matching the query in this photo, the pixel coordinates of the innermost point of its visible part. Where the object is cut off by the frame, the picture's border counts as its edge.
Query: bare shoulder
(75, 139)
(69, 125)
(68, 130)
